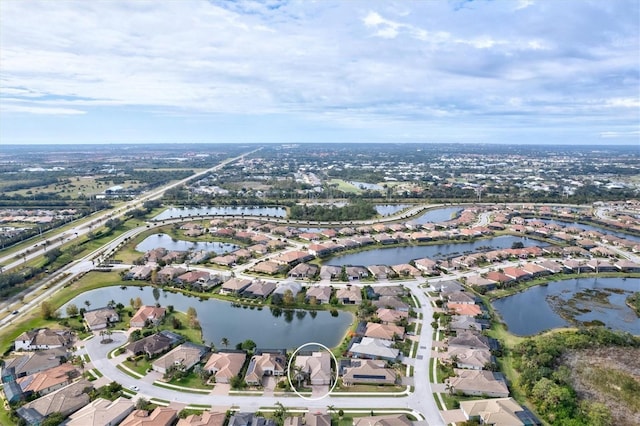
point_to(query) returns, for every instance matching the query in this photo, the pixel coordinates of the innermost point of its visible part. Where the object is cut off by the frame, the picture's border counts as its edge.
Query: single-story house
(235, 285)
(349, 295)
(372, 372)
(478, 382)
(329, 272)
(390, 315)
(102, 412)
(356, 273)
(370, 348)
(289, 285)
(67, 400)
(384, 331)
(182, 357)
(303, 270)
(473, 359)
(161, 416)
(316, 367)
(47, 381)
(265, 364)
(98, 319)
(225, 365)
(151, 345)
(386, 420)
(207, 418)
(498, 412)
(147, 315)
(259, 289)
(267, 267)
(322, 294)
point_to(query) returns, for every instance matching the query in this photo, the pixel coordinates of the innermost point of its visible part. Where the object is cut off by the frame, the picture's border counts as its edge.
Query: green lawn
(344, 186)
(370, 388)
(140, 365)
(5, 417)
(190, 381)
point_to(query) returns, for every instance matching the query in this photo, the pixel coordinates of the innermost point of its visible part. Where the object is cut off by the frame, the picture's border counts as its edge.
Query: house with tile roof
(366, 371)
(316, 367)
(370, 348)
(161, 416)
(225, 365)
(478, 382)
(99, 319)
(498, 412)
(386, 420)
(47, 381)
(147, 315)
(67, 400)
(384, 331)
(265, 364)
(207, 418)
(101, 412)
(182, 357)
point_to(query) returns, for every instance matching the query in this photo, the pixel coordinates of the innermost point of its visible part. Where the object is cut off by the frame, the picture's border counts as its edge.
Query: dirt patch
(610, 376)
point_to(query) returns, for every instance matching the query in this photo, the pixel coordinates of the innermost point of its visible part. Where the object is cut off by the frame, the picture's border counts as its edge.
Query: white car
(134, 388)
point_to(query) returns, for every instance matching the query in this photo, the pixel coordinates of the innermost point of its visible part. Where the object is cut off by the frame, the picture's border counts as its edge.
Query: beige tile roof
(226, 364)
(209, 418)
(101, 412)
(161, 416)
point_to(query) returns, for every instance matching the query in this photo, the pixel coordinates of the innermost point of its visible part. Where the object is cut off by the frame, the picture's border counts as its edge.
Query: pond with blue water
(277, 329)
(578, 301)
(397, 255)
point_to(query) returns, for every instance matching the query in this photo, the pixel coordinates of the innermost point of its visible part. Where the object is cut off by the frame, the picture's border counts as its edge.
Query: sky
(279, 71)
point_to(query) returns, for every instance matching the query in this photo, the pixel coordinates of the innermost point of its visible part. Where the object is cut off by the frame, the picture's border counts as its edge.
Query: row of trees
(359, 210)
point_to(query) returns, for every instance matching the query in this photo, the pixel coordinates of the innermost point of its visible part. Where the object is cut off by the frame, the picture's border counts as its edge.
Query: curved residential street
(420, 401)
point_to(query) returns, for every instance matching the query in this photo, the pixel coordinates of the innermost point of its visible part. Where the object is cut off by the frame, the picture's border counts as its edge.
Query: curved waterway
(588, 228)
(397, 255)
(437, 215)
(579, 300)
(219, 319)
(389, 209)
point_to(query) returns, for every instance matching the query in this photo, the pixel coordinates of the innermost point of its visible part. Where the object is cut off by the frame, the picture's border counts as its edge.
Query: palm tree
(224, 342)
(331, 409)
(280, 413)
(299, 374)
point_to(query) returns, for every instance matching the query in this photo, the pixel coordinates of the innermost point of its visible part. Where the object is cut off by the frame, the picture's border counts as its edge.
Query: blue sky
(507, 71)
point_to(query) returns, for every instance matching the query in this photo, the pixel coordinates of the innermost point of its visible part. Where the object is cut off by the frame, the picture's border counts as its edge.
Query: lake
(584, 299)
(389, 209)
(397, 255)
(589, 228)
(219, 319)
(437, 215)
(171, 244)
(176, 212)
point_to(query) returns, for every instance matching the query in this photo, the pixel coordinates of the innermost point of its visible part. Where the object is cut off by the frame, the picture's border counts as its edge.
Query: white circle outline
(289, 371)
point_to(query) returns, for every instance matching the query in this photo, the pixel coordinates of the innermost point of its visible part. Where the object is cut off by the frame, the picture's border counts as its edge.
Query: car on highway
(134, 388)
(14, 312)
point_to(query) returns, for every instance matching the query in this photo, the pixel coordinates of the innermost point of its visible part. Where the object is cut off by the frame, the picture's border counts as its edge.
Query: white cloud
(337, 60)
(615, 135)
(13, 108)
(523, 4)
